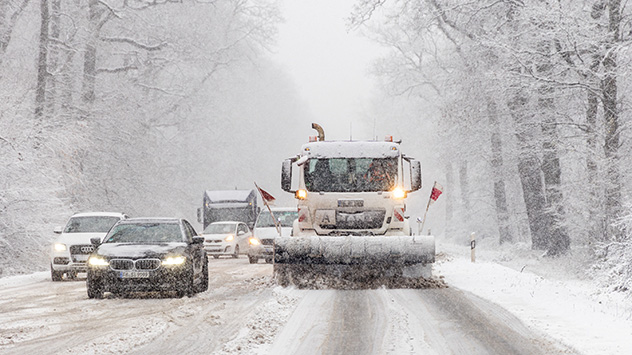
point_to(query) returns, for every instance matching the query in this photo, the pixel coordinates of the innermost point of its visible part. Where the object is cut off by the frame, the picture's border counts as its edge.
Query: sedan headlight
(174, 260)
(254, 241)
(59, 247)
(229, 238)
(98, 261)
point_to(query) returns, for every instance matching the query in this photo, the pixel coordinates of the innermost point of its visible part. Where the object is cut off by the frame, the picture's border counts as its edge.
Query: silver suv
(71, 249)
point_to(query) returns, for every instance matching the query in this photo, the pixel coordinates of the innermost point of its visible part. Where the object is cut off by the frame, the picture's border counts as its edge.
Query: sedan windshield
(93, 224)
(351, 174)
(145, 233)
(285, 217)
(220, 228)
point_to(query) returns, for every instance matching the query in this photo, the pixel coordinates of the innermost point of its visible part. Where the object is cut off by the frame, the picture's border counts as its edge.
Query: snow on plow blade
(355, 250)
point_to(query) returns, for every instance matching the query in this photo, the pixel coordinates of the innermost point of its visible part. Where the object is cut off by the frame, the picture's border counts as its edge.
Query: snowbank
(547, 296)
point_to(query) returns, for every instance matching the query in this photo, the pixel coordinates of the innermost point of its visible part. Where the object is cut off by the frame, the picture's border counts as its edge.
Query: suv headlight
(254, 241)
(98, 261)
(60, 247)
(174, 260)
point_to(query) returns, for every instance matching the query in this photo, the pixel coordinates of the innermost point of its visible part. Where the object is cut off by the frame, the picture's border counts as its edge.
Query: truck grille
(140, 264)
(360, 220)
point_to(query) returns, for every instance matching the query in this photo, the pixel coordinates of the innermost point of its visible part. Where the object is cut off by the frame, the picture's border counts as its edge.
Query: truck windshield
(285, 217)
(351, 174)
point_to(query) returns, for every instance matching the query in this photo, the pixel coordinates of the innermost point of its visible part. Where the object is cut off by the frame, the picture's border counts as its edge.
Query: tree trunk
(558, 241)
(465, 191)
(449, 203)
(54, 53)
(498, 175)
(611, 118)
(90, 57)
(42, 70)
(530, 172)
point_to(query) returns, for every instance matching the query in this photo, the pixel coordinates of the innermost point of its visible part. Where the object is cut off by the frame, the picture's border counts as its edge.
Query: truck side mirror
(199, 214)
(286, 175)
(58, 230)
(415, 175)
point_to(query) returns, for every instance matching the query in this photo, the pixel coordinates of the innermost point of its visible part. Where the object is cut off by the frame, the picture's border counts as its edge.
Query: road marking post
(473, 246)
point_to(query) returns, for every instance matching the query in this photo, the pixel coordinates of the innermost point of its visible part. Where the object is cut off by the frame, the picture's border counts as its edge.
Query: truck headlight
(174, 260)
(98, 261)
(301, 194)
(59, 247)
(254, 241)
(229, 238)
(399, 193)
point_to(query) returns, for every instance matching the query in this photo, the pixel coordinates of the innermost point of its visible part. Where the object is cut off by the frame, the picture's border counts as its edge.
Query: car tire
(186, 288)
(95, 288)
(269, 260)
(55, 275)
(204, 284)
(216, 256)
(253, 259)
(236, 254)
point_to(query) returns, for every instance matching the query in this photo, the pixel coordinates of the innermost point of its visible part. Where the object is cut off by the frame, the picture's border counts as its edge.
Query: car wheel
(236, 254)
(95, 288)
(204, 282)
(216, 256)
(55, 275)
(186, 288)
(269, 260)
(253, 259)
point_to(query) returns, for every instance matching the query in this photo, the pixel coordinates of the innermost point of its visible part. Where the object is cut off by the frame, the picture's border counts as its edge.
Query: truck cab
(352, 188)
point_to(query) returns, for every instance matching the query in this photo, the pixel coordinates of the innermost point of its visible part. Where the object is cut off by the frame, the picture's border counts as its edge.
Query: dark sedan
(148, 254)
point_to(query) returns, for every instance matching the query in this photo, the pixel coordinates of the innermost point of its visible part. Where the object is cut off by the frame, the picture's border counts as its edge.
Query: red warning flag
(265, 195)
(437, 190)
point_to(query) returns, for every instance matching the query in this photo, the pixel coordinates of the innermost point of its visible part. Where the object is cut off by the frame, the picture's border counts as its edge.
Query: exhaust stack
(319, 129)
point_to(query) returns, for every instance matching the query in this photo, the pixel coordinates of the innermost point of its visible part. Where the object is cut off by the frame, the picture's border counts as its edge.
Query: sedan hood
(128, 250)
(78, 238)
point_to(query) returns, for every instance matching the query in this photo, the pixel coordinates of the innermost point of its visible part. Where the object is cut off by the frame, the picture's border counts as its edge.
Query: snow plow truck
(351, 224)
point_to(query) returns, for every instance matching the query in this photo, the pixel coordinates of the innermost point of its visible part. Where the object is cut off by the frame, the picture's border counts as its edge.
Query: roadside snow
(547, 296)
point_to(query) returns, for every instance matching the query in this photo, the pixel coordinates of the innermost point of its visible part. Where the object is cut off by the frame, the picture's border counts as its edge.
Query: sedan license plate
(133, 274)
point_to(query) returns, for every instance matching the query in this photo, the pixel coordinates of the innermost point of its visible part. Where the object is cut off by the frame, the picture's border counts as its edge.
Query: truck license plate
(133, 274)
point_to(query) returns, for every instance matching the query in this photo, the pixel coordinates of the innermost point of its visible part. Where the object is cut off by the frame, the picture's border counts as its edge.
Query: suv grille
(81, 249)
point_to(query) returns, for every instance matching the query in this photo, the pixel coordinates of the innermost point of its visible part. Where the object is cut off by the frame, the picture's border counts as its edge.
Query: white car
(226, 238)
(265, 231)
(71, 249)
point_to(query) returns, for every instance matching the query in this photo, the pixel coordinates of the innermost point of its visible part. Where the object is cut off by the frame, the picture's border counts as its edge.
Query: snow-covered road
(245, 313)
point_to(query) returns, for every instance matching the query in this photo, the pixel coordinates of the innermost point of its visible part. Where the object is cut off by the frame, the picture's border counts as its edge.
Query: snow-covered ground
(549, 302)
(553, 296)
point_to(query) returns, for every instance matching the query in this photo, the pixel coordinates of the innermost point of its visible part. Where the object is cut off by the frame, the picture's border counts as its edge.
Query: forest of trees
(135, 106)
(534, 115)
(140, 105)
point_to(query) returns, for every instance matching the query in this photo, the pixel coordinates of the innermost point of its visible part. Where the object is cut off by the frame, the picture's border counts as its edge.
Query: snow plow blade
(345, 261)
(350, 250)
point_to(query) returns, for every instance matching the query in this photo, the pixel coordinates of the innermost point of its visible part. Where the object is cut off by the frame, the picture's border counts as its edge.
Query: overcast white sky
(329, 65)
